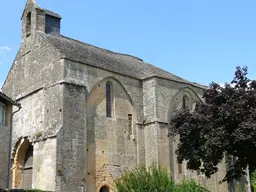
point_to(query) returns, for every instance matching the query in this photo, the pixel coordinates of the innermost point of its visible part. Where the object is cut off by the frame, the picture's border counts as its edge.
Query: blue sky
(201, 41)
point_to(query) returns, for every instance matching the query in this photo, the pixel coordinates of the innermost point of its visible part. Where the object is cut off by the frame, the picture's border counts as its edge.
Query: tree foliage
(222, 126)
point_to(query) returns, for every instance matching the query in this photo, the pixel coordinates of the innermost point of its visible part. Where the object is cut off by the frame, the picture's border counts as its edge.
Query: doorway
(104, 189)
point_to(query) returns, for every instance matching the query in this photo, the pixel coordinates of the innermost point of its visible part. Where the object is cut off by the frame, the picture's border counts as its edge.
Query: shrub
(140, 179)
(153, 179)
(190, 186)
(253, 180)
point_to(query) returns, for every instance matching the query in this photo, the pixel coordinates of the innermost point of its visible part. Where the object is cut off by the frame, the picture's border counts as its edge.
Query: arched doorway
(22, 164)
(104, 189)
(28, 168)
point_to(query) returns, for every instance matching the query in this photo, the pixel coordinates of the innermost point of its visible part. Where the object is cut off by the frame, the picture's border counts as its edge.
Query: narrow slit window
(185, 102)
(2, 113)
(180, 168)
(130, 124)
(28, 24)
(108, 100)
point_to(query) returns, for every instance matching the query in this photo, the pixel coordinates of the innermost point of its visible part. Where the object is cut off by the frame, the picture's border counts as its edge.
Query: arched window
(28, 168)
(28, 24)
(108, 100)
(104, 189)
(185, 105)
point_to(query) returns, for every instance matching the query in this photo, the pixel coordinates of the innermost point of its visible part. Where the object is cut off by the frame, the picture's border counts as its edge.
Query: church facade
(88, 113)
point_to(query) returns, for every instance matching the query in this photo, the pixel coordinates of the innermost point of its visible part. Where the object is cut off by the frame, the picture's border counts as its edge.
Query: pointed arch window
(108, 100)
(185, 105)
(28, 24)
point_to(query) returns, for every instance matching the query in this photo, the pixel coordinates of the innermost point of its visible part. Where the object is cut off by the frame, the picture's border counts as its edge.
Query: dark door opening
(28, 168)
(104, 189)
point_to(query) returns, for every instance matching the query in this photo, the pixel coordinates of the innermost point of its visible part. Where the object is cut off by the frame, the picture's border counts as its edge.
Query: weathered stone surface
(4, 144)
(4, 154)
(44, 164)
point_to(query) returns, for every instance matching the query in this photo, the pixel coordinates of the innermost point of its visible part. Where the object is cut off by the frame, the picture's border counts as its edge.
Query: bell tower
(35, 19)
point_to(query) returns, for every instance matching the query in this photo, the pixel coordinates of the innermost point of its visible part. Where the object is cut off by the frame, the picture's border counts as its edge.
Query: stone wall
(28, 122)
(4, 149)
(40, 118)
(159, 97)
(71, 140)
(109, 141)
(39, 67)
(35, 82)
(44, 164)
(4, 154)
(169, 98)
(88, 76)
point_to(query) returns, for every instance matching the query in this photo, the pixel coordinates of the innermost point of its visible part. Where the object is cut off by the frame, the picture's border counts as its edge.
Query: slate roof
(8, 99)
(120, 63)
(51, 13)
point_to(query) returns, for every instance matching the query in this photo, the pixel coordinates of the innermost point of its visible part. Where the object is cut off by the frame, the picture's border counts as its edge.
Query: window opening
(185, 102)
(130, 124)
(28, 168)
(180, 168)
(28, 24)
(108, 100)
(2, 113)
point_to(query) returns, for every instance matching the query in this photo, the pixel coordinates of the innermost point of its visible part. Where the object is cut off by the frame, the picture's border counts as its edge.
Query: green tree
(224, 124)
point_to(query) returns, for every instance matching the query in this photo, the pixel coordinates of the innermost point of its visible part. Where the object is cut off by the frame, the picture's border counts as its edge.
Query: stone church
(89, 113)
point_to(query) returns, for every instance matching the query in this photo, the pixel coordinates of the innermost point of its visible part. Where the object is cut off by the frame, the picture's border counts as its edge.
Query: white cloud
(4, 49)
(222, 84)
